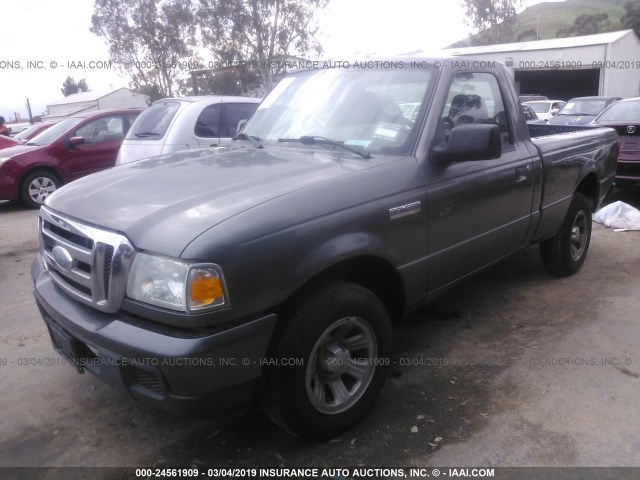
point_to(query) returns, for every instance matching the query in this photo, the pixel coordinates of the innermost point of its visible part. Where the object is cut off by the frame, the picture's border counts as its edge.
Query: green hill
(547, 18)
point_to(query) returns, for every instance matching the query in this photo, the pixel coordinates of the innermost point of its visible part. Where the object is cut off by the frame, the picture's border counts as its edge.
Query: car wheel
(37, 186)
(335, 345)
(564, 254)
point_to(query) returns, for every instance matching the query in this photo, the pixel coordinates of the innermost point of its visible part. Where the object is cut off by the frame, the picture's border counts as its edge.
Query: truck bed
(568, 153)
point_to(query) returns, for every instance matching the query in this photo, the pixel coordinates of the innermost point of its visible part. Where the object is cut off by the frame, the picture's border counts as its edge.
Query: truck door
(479, 210)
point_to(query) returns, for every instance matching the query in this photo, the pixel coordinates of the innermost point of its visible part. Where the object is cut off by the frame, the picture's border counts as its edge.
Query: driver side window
(475, 98)
(100, 130)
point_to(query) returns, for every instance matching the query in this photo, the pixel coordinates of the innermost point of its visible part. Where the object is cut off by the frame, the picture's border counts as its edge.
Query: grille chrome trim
(98, 276)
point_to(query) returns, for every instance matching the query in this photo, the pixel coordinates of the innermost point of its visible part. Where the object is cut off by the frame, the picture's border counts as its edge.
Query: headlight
(175, 284)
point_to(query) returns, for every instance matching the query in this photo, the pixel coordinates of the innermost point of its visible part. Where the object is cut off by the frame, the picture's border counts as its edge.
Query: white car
(545, 109)
(174, 124)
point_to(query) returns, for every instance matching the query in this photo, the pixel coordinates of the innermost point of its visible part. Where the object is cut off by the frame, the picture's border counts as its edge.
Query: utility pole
(537, 26)
(29, 110)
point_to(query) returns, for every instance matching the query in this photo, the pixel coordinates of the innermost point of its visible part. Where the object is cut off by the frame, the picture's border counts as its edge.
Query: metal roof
(83, 97)
(556, 43)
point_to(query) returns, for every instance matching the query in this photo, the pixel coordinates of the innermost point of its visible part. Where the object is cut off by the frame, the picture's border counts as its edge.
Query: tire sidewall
(300, 415)
(24, 187)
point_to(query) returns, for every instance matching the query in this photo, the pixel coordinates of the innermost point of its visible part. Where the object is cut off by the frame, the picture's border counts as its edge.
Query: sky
(43, 42)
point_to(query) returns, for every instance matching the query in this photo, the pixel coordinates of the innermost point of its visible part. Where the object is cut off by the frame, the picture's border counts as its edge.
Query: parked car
(531, 97)
(174, 124)
(271, 269)
(33, 130)
(624, 116)
(529, 115)
(581, 110)
(15, 128)
(76, 146)
(6, 142)
(545, 109)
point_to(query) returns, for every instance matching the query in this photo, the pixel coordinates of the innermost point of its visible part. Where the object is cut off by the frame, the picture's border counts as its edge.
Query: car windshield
(539, 107)
(626, 112)
(50, 135)
(360, 108)
(153, 123)
(583, 107)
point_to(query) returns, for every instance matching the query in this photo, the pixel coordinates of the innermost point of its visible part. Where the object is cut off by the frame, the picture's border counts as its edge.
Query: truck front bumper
(175, 370)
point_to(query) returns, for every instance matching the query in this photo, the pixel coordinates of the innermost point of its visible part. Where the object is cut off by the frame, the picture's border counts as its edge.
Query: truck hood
(161, 204)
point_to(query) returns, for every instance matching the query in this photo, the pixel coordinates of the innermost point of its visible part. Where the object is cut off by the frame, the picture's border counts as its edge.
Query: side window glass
(232, 113)
(475, 98)
(208, 123)
(104, 129)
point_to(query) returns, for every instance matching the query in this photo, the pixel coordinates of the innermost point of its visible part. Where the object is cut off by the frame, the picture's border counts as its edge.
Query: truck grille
(90, 264)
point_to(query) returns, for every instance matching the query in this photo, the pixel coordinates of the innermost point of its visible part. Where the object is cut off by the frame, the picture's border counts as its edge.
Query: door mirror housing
(240, 126)
(75, 141)
(471, 142)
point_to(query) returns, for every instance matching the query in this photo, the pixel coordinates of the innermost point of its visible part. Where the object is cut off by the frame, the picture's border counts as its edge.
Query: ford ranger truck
(271, 270)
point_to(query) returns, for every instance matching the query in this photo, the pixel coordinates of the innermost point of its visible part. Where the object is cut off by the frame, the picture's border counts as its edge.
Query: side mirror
(555, 111)
(75, 141)
(471, 142)
(240, 126)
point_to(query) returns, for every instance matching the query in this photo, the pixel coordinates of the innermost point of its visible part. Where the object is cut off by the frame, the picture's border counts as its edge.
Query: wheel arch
(369, 271)
(590, 188)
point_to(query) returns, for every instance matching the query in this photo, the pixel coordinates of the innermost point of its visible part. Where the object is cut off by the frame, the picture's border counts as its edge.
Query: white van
(174, 124)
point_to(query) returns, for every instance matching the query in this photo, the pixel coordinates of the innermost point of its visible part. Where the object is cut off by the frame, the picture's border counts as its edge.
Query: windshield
(356, 107)
(51, 134)
(153, 123)
(542, 107)
(626, 112)
(583, 107)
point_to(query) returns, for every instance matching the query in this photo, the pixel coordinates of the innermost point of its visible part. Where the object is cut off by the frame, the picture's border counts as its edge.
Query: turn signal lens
(205, 288)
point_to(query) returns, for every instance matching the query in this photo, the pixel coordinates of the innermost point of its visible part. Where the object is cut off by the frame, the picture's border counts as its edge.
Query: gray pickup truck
(271, 270)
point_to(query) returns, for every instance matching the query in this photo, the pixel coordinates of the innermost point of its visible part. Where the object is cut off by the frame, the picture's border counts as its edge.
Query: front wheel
(37, 186)
(564, 254)
(337, 345)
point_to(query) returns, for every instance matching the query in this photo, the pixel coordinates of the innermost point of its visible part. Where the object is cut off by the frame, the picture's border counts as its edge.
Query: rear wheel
(336, 345)
(37, 186)
(564, 254)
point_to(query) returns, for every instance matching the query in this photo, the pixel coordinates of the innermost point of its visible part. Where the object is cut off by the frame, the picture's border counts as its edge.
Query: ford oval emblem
(62, 257)
(631, 129)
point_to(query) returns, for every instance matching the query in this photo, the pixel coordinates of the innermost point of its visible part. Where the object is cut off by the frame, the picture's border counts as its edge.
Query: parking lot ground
(512, 368)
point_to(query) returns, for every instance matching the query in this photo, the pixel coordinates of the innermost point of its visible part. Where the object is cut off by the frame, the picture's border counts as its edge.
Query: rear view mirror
(471, 142)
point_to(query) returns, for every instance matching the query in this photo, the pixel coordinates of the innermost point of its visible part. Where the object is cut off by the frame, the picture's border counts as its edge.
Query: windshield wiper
(313, 139)
(32, 144)
(257, 141)
(148, 134)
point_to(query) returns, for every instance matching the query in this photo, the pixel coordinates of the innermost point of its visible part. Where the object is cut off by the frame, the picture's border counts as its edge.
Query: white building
(90, 101)
(606, 64)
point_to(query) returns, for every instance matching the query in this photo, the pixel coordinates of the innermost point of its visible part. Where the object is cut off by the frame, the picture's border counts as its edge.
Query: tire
(326, 330)
(37, 186)
(564, 254)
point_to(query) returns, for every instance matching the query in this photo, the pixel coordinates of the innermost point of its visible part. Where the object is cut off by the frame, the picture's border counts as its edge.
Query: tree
(631, 17)
(149, 40)
(494, 19)
(586, 24)
(69, 86)
(262, 33)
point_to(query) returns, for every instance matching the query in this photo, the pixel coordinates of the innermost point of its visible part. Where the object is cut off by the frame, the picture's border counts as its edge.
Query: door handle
(522, 173)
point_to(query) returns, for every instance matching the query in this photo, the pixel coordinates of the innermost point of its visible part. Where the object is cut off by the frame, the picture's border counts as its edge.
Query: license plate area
(67, 346)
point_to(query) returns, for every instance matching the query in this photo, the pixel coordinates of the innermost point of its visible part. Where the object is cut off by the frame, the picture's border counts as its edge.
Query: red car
(76, 146)
(30, 132)
(624, 116)
(6, 142)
